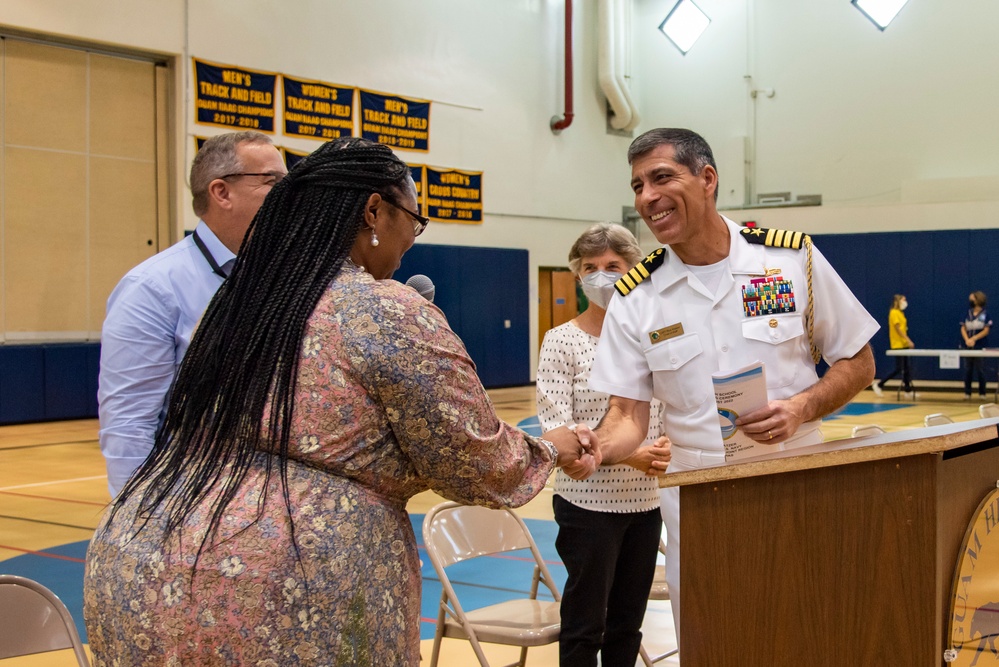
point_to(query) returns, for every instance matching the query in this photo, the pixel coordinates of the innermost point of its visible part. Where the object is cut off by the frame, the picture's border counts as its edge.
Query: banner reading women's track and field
(400, 122)
(233, 97)
(317, 110)
(454, 196)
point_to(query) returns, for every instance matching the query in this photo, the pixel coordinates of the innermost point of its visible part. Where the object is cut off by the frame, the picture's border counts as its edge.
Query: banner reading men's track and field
(233, 97)
(454, 196)
(400, 122)
(317, 110)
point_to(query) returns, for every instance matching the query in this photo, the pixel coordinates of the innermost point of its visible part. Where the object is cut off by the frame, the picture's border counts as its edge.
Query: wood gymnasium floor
(53, 489)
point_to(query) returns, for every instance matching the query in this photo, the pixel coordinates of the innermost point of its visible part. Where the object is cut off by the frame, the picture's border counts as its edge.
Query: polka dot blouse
(564, 398)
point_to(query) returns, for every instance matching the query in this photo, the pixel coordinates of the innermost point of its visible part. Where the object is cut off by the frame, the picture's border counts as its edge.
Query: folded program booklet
(739, 392)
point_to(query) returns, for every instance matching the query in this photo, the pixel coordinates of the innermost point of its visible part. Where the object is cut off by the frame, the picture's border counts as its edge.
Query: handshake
(581, 452)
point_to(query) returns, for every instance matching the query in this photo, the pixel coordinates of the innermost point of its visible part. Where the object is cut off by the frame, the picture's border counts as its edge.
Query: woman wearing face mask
(975, 330)
(898, 338)
(609, 525)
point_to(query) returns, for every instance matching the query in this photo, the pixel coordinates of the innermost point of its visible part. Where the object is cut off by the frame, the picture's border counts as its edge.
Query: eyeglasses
(420, 222)
(274, 177)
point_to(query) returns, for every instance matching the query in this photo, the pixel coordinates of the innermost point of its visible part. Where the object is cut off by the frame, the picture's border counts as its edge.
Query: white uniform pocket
(677, 374)
(776, 339)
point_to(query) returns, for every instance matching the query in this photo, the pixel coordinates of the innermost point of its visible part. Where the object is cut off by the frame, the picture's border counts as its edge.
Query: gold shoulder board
(640, 272)
(775, 238)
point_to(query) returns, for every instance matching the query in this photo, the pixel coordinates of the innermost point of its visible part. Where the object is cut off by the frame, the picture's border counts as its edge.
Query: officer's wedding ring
(770, 436)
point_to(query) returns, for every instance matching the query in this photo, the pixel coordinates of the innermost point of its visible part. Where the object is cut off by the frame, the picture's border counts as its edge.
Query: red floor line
(43, 554)
(61, 500)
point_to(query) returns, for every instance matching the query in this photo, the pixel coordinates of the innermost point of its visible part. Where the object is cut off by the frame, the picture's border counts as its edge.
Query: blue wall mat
(40, 382)
(68, 384)
(479, 290)
(22, 383)
(93, 372)
(936, 271)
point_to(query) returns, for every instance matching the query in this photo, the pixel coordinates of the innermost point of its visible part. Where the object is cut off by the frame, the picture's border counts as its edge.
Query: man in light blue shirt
(152, 312)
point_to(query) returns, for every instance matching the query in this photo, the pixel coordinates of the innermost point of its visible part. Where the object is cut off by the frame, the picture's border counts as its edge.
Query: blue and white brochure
(739, 392)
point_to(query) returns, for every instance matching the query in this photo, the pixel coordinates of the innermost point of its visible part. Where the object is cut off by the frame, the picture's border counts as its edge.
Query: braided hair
(245, 353)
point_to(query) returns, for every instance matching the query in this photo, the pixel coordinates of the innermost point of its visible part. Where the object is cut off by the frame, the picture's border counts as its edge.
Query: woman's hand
(652, 459)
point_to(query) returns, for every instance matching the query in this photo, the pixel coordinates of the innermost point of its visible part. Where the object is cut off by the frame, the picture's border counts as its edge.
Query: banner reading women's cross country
(400, 122)
(233, 97)
(454, 196)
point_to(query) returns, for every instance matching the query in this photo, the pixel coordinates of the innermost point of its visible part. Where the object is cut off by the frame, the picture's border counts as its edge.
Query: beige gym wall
(82, 195)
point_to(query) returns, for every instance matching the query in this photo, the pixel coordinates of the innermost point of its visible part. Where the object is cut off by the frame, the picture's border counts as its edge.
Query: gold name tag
(672, 331)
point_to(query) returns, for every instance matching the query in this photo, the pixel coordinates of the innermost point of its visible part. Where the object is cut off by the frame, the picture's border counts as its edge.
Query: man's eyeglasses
(420, 222)
(273, 177)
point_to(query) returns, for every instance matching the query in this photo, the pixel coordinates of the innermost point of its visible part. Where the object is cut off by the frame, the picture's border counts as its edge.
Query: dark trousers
(611, 561)
(974, 367)
(901, 366)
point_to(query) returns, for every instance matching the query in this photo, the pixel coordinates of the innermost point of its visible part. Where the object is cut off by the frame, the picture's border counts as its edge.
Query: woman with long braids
(268, 526)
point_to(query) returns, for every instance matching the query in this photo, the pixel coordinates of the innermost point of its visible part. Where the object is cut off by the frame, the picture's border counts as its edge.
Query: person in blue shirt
(152, 312)
(975, 331)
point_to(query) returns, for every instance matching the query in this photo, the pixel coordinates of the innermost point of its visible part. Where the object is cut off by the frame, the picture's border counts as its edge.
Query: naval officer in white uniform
(692, 308)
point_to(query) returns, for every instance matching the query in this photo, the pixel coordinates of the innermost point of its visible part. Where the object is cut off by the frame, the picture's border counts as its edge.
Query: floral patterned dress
(388, 405)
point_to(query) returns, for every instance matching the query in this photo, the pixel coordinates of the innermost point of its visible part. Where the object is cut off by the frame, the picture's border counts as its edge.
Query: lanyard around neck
(216, 269)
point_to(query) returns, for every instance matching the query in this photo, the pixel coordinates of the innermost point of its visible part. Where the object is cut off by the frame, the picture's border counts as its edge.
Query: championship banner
(417, 171)
(199, 142)
(233, 97)
(400, 122)
(454, 195)
(317, 110)
(292, 157)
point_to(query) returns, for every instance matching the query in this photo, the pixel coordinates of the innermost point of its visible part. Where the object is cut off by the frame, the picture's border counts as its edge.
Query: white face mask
(903, 304)
(599, 287)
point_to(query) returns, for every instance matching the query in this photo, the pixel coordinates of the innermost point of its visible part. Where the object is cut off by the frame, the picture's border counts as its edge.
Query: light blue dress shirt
(151, 316)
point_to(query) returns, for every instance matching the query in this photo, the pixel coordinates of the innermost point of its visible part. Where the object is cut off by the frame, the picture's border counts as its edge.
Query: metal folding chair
(866, 429)
(33, 620)
(936, 419)
(453, 533)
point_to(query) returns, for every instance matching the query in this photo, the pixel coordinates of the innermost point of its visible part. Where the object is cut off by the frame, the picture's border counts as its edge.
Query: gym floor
(53, 490)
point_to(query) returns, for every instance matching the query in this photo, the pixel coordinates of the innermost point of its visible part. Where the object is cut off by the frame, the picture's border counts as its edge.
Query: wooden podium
(835, 557)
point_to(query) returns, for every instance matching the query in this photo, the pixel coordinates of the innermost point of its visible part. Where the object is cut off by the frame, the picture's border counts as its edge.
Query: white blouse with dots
(564, 398)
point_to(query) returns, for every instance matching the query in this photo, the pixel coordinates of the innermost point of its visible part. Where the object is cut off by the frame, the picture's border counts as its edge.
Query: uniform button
(724, 348)
(673, 360)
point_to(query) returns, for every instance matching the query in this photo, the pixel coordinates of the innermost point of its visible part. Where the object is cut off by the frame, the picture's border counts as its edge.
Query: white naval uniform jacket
(718, 336)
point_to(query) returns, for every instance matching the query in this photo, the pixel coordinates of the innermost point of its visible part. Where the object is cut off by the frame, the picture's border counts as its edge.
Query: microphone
(423, 285)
